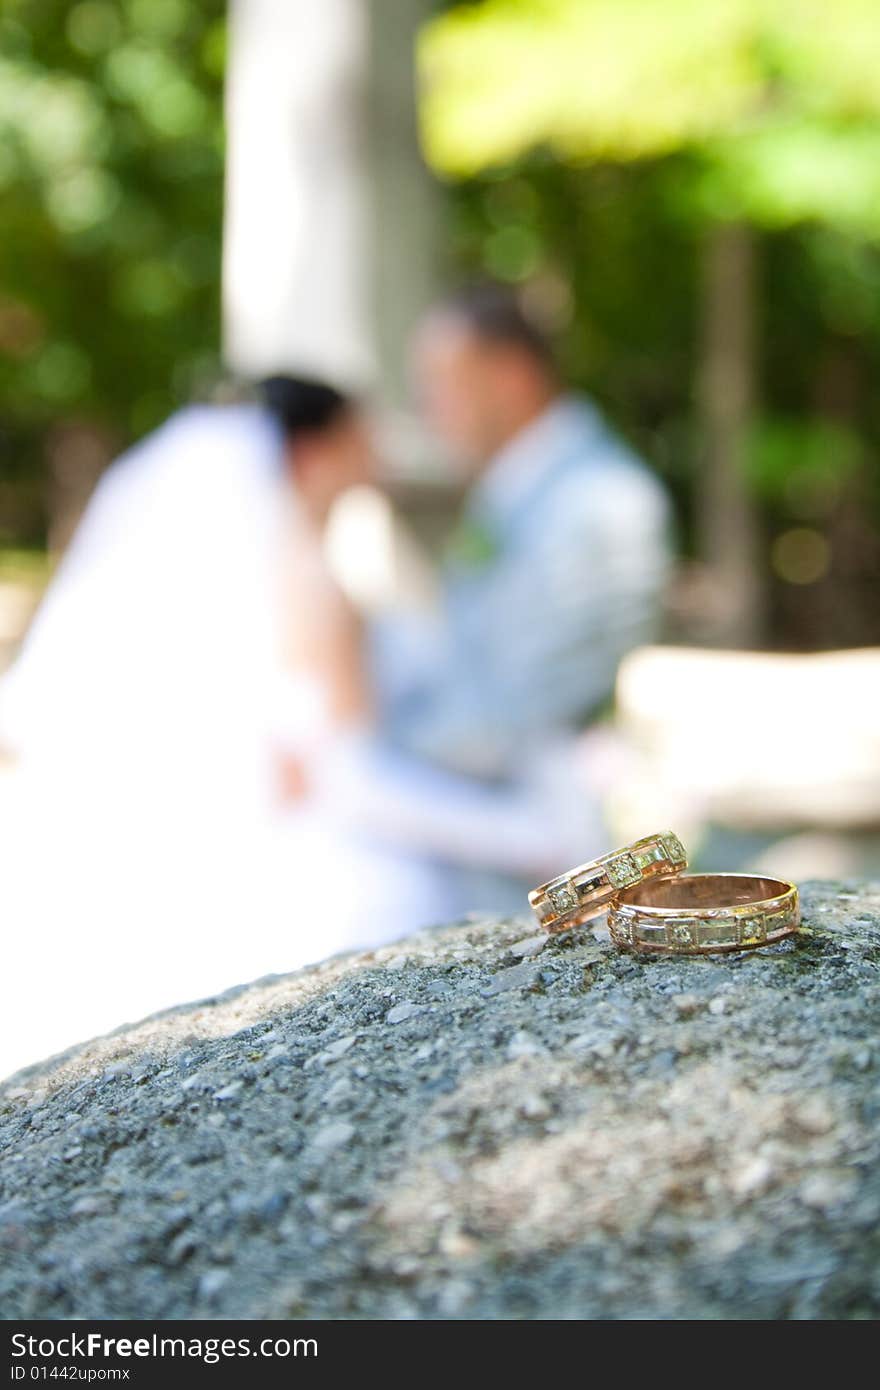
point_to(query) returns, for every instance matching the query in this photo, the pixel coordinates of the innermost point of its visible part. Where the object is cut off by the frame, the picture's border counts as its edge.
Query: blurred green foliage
(111, 167)
(777, 98)
(590, 148)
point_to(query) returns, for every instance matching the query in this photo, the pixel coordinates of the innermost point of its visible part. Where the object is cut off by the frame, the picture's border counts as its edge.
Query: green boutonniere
(471, 545)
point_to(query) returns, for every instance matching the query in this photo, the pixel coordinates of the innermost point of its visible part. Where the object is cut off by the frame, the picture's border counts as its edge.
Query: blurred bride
(202, 792)
(192, 665)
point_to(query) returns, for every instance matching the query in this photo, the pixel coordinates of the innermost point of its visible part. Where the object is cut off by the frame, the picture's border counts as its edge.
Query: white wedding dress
(146, 859)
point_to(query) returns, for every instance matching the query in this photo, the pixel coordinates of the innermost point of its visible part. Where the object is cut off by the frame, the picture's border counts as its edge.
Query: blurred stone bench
(477, 1122)
(757, 740)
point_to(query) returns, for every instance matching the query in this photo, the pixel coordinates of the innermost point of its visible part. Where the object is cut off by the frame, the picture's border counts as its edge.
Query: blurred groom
(558, 566)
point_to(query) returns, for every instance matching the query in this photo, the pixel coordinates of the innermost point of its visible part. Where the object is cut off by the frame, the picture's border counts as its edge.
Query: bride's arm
(323, 637)
(327, 650)
(340, 661)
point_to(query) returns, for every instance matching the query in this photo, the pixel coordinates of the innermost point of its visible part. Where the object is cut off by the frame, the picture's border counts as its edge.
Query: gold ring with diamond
(694, 914)
(586, 891)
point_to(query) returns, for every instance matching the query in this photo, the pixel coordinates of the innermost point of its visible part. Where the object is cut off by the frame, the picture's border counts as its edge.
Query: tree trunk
(406, 222)
(726, 521)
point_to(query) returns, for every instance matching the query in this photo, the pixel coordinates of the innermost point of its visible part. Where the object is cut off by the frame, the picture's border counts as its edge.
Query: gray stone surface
(455, 1127)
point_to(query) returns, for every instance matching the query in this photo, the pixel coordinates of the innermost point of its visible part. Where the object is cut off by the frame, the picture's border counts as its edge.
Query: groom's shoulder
(598, 470)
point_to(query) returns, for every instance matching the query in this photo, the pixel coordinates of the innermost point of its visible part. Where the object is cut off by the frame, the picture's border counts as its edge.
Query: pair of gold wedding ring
(654, 906)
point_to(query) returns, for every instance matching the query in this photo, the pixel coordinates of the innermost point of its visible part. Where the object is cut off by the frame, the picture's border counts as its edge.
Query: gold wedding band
(586, 891)
(693, 914)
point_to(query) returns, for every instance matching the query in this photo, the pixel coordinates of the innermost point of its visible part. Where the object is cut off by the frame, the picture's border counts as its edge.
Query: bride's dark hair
(302, 405)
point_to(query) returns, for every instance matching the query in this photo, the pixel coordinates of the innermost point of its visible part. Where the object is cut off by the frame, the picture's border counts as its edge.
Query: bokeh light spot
(21, 328)
(82, 199)
(61, 372)
(148, 288)
(93, 27)
(512, 252)
(801, 555)
(160, 18)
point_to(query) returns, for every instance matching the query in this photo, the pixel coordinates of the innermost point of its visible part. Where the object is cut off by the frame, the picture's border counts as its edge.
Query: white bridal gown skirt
(128, 887)
(144, 859)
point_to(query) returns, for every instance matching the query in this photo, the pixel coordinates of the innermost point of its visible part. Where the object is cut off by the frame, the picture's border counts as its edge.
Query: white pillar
(296, 272)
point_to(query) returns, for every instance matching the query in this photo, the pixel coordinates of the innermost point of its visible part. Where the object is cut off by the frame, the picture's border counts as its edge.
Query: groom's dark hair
(496, 314)
(302, 405)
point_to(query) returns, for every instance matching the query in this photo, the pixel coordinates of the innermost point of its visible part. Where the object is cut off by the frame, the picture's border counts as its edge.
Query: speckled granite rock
(475, 1123)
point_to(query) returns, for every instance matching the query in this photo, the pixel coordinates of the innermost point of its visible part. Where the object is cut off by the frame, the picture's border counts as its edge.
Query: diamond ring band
(656, 908)
(586, 891)
(693, 914)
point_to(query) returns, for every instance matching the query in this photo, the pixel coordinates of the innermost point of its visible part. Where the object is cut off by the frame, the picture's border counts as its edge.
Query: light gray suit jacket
(562, 560)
